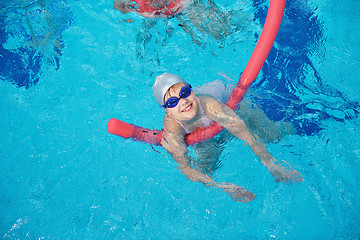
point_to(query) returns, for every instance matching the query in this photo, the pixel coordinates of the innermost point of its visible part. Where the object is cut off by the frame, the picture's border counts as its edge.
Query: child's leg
(208, 153)
(203, 16)
(258, 123)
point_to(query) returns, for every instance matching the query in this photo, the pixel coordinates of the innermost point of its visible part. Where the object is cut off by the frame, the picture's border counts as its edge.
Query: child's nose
(183, 101)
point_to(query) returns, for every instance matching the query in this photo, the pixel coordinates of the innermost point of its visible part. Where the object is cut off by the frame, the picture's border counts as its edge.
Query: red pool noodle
(252, 69)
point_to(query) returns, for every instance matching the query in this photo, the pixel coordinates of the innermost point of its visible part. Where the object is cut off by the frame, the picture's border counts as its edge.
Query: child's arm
(227, 118)
(173, 142)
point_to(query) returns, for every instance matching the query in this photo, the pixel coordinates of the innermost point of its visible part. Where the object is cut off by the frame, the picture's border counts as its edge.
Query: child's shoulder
(171, 126)
(209, 103)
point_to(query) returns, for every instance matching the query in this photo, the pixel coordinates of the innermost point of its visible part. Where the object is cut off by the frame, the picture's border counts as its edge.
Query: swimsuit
(206, 121)
(159, 7)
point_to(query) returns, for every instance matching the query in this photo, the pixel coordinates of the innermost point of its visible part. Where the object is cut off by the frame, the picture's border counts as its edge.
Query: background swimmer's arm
(130, 6)
(227, 118)
(124, 6)
(173, 142)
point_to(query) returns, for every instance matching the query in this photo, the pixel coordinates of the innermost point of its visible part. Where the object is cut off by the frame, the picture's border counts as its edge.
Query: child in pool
(152, 8)
(195, 15)
(185, 112)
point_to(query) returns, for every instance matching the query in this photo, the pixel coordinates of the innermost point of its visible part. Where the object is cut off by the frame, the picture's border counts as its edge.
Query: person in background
(194, 15)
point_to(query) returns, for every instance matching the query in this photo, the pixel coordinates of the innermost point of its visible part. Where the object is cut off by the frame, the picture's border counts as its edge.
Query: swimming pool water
(62, 176)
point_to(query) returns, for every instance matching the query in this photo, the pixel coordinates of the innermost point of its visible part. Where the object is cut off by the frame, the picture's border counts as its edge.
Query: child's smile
(187, 108)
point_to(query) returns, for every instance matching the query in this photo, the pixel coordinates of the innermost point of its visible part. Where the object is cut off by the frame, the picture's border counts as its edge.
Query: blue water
(68, 67)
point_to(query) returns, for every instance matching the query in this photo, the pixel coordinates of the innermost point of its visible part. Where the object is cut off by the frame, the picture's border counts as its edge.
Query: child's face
(186, 109)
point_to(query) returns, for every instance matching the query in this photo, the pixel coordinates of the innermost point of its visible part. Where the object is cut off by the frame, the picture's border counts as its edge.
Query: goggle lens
(173, 101)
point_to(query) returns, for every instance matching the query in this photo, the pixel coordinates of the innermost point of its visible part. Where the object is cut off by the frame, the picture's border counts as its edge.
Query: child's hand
(282, 174)
(238, 193)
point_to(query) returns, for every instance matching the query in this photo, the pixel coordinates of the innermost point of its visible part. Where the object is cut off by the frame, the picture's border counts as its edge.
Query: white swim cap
(163, 83)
